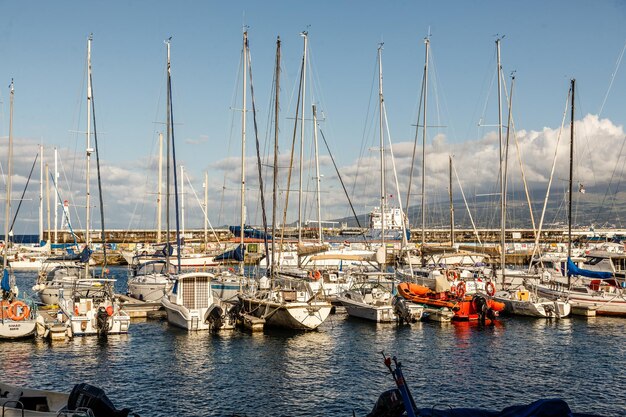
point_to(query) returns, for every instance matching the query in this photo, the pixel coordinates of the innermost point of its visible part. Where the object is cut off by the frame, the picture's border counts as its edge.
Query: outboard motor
(402, 310)
(102, 320)
(389, 404)
(213, 316)
(87, 396)
(482, 308)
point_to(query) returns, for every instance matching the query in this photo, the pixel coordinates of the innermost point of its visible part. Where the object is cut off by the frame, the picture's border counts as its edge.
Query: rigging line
(171, 119)
(469, 212)
(23, 193)
(258, 156)
(95, 137)
(67, 219)
(545, 201)
(293, 145)
(365, 126)
(230, 135)
(342, 184)
(204, 210)
(395, 175)
(419, 114)
(608, 189)
(617, 65)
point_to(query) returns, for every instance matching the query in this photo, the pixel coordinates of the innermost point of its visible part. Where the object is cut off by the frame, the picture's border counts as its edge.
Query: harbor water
(159, 370)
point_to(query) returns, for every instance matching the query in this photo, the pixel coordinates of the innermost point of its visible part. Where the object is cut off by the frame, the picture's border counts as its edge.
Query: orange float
(18, 310)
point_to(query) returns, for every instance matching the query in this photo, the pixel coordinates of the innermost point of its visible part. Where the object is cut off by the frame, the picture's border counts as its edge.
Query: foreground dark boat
(393, 403)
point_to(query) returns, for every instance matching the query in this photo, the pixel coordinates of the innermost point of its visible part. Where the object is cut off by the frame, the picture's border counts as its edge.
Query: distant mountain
(591, 208)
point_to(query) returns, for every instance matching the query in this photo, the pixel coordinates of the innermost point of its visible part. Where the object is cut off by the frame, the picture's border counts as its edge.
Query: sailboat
(87, 303)
(191, 303)
(17, 318)
(594, 291)
(281, 301)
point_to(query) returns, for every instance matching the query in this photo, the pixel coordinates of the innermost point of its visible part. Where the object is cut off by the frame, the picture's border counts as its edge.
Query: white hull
(604, 303)
(291, 315)
(148, 290)
(441, 315)
(10, 329)
(532, 307)
(52, 401)
(85, 325)
(379, 314)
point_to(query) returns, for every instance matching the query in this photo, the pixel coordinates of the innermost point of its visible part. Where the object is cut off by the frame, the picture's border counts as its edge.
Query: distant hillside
(591, 208)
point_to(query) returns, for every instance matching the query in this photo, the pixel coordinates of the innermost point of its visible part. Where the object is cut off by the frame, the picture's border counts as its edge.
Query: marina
(335, 369)
(360, 229)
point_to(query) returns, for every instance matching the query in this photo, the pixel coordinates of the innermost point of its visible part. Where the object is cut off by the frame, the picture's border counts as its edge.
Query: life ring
(452, 275)
(316, 275)
(18, 310)
(460, 290)
(4, 307)
(490, 288)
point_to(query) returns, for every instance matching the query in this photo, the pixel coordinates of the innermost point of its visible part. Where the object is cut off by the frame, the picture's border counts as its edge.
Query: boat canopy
(572, 269)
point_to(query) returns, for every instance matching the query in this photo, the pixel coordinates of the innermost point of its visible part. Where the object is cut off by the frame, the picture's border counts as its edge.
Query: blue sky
(43, 47)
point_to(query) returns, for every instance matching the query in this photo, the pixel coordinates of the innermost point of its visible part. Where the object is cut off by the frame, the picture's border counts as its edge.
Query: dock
(137, 309)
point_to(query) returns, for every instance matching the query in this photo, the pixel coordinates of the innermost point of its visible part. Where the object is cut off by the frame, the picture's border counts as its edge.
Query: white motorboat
(287, 303)
(372, 301)
(17, 401)
(191, 304)
(51, 283)
(150, 281)
(522, 302)
(94, 312)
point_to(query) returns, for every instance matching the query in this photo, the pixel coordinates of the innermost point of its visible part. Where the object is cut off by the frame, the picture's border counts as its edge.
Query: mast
(56, 203)
(383, 197)
(41, 194)
(168, 127)
(182, 197)
(48, 200)
(451, 207)
(317, 177)
(506, 168)
(206, 208)
(427, 43)
(243, 146)
(160, 189)
(170, 124)
(7, 204)
(89, 150)
(502, 190)
(275, 164)
(571, 174)
(305, 35)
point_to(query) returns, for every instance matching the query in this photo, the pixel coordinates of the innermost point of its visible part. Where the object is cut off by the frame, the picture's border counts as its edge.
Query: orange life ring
(15, 313)
(490, 288)
(460, 290)
(316, 275)
(452, 275)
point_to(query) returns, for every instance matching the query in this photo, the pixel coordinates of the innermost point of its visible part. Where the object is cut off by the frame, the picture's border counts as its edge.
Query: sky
(544, 44)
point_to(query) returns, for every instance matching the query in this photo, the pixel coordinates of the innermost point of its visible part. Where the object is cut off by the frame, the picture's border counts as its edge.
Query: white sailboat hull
(10, 329)
(148, 290)
(604, 303)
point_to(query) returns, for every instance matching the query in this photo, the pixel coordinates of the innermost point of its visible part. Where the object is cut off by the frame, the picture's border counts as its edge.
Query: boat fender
(460, 290)
(18, 310)
(490, 288)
